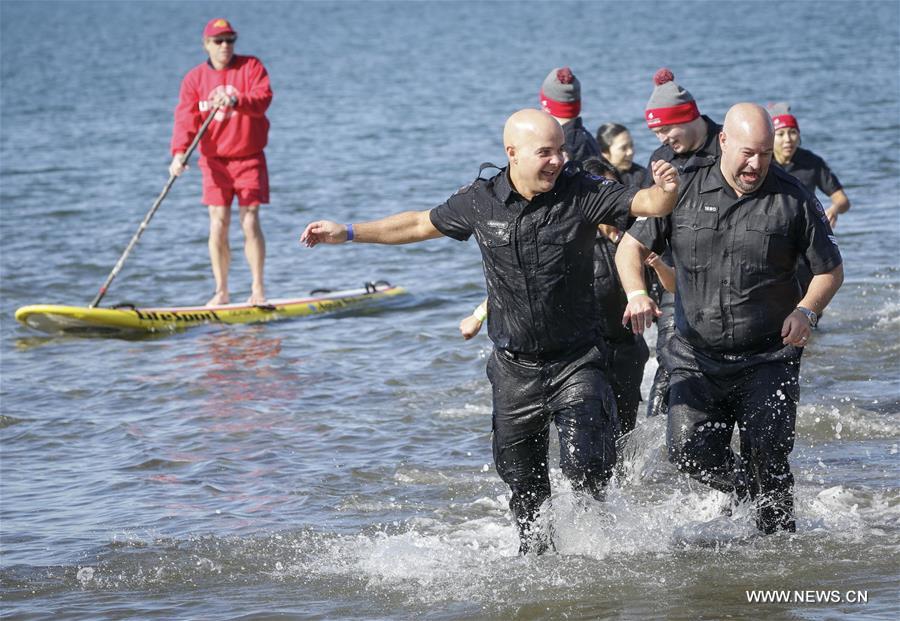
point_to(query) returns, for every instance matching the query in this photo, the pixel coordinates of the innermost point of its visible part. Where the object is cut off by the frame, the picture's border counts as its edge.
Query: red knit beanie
(669, 104)
(561, 94)
(781, 116)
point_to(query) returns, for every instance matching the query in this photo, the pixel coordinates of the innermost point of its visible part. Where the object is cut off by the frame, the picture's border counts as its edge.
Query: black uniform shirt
(637, 176)
(735, 258)
(648, 230)
(580, 144)
(709, 151)
(538, 255)
(812, 172)
(608, 293)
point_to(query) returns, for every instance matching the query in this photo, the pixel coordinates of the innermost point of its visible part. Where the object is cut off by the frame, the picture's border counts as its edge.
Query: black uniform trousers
(625, 364)
(572, 392)
(658, 400)
(708, 395)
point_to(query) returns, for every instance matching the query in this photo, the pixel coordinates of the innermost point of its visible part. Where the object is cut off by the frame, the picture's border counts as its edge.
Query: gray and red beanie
(669, 104)
(781, 116)
(561, 94)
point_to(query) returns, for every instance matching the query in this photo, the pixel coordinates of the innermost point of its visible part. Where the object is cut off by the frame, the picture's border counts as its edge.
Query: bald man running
(741, 319)
(535, 223)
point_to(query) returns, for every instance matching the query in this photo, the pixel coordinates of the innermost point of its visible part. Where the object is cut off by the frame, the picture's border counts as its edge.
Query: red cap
(218, 26)
(785, 120)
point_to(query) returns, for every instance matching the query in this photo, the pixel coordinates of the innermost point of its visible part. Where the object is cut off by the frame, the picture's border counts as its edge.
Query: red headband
(785, 120)
(560, 109)
(682, 113)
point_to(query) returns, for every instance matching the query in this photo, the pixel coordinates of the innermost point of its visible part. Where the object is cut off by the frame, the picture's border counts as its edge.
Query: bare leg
(255, 251)
(219, 251)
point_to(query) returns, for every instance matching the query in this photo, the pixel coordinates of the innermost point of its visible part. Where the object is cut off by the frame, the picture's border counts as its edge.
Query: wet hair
(606, 135)
(601, 167)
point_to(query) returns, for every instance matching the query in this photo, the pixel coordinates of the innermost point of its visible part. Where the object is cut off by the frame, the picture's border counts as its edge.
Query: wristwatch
(234, 100)
(810, 315)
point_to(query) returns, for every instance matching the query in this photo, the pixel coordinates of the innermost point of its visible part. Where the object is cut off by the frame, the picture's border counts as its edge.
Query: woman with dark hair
(618, 149)
(807, 167)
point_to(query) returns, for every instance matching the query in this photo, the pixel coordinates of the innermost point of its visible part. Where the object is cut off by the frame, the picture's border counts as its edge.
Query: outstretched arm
(640, 310)
(660, 199)
(402, 228)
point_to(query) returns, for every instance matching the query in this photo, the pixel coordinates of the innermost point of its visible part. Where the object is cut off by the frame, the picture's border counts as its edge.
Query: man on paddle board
(741, 318)
(535, 224)
(232, 159)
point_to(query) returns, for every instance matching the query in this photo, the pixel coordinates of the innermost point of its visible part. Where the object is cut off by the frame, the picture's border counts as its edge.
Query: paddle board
(123, 319)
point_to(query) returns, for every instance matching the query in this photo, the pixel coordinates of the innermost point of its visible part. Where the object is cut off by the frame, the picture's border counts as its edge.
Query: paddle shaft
(159, 199)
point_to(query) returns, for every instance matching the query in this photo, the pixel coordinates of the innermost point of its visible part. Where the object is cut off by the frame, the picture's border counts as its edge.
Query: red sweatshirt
(235, 132)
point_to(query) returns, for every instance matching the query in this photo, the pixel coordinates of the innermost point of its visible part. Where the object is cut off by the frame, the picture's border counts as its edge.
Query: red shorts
(246, 177)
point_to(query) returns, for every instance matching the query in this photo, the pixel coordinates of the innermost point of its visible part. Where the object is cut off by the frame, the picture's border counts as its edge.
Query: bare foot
(257, 298)
(220, 298)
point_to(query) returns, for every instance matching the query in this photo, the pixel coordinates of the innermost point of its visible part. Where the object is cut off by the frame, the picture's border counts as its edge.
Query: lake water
(340, 467)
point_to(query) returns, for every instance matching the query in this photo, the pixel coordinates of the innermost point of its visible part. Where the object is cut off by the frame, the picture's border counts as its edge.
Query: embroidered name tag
(710, 208)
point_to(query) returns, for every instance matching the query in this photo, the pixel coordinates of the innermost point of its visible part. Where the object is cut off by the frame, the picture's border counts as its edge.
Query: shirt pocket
(695, 238)
(495, 237)
(768, 247)
(496, 247)
(557, 246)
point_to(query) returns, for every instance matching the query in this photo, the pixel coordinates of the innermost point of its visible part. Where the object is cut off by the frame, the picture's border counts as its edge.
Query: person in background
(535, 224)
(689, 140)
(741, 320)
(809, 169)
(617, 147)
(560, 97)
(626, 352)
(236, 89)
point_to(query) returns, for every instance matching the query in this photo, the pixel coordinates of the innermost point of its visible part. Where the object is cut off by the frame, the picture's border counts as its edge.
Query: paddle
(156, 204)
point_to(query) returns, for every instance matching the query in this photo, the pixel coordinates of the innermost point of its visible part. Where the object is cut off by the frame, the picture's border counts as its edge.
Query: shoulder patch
(820, 210)
(602, 180)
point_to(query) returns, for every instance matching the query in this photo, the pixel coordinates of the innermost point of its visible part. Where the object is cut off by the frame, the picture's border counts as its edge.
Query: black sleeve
(826, 180)
(605, 202)
(654, 233)
(818, 243)
(453, 218)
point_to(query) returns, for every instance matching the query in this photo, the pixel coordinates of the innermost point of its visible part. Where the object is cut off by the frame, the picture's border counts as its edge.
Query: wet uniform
(735, 261)
(626, 352)
(545, 367)
(580, 144)
(812, 172)
(646, 230)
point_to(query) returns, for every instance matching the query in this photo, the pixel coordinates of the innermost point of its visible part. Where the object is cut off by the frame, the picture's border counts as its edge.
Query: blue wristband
(349, 232)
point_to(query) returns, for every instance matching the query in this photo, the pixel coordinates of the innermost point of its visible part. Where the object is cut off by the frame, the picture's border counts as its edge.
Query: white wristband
(634, 294)
(480, 312)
